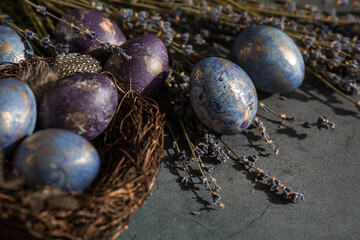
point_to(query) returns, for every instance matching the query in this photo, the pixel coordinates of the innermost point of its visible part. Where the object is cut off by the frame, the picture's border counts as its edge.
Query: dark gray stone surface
(323, 165)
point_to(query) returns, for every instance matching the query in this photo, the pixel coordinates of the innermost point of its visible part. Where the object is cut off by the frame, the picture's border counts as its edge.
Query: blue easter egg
(222, 95)
(54, 156)
(12, 47)
(271, 59)
(17, 113)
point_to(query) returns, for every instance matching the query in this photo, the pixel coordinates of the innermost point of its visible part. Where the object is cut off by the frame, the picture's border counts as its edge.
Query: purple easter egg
(147, 69)
(107, 31)
(84, 103)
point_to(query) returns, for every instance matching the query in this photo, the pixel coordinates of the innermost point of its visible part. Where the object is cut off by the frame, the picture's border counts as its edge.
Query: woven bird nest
(130, 151)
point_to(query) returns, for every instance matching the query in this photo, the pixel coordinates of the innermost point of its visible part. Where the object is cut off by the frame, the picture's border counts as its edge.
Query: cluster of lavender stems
(193, 29)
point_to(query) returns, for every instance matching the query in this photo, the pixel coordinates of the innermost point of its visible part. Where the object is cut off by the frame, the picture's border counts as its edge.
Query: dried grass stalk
(130, 150)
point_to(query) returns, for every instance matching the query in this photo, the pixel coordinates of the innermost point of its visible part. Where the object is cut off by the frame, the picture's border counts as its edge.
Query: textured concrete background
(323, 165)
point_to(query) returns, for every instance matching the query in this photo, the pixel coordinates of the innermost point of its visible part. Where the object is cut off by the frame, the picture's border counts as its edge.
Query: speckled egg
(12, 47)
(84, 103)
(222, 95)
(147, 69)
(17, 113)
(55, 156)
(270, 58)
(96, 22)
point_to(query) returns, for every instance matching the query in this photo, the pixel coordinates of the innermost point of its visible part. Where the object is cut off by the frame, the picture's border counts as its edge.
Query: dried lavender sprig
(91, 34)
(322, 122)
(30, 35)
(275, 184)
(214, 192)
(264, 135)
(295, 35)
(183, 159)
(357, 103)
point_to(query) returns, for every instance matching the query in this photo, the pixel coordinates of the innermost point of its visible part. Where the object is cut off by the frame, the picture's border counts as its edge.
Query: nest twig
(130, 150)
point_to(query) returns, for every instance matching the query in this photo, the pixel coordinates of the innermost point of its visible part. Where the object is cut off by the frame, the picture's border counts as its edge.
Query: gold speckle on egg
(107, 26)
(247, 114)
(288, 55)
(6, 119)
(78, 119)
(5, 49)
(29, 159)
(238, 105)
(223, 61)
(219, 124)
(25, 96)
(153, 65)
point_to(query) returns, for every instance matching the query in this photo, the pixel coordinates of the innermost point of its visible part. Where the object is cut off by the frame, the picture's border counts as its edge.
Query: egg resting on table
(107, 31)
(17, 113)
(12, 48)
(53, 156)
(83, 103)
(270, 58)
(222, 95)
(146, 71)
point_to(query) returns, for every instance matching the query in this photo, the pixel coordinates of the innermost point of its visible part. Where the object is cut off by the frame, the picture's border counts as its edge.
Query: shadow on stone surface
(273, 197)
(286, 130)
(311, 84)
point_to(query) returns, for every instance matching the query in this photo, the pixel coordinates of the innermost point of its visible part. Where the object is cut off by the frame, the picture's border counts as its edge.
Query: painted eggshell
(95, 21)
(55, 156)
(84, 103)
(222, 95)
(12, 47)
(147, 69)
(17, 113)
(270, 58)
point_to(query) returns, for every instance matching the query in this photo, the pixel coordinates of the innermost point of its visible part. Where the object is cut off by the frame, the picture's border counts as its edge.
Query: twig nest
(270, 58)
(12, 48)
(222, 95)
(130, 149)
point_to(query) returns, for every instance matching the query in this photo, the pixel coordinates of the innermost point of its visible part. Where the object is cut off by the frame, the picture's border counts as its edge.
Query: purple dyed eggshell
(84, 103)
(95, 21)
(147, 69)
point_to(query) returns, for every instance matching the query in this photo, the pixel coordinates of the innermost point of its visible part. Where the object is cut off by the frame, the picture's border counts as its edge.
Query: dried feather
(40, 78)
(63, 202)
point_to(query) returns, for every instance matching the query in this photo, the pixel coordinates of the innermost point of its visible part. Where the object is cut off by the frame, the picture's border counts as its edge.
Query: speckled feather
(45, 157)
(222, 95)
(68, 64)
(270, 58)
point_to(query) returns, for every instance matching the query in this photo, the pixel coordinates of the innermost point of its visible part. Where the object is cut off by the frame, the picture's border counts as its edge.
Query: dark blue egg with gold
(222, 95)
(56, 157)
(12, 47)
(17, 113)
(270, 58)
